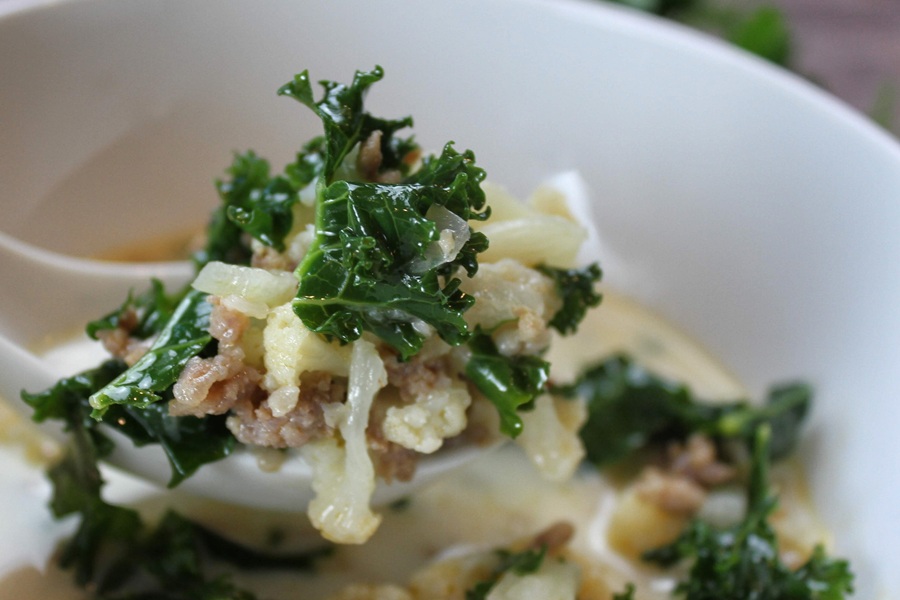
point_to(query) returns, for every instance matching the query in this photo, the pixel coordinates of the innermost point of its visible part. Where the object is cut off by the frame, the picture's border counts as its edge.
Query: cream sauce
(487, 504)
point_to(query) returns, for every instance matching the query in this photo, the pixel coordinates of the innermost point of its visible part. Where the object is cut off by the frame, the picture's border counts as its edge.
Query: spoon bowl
(46, 293)
(52, 291)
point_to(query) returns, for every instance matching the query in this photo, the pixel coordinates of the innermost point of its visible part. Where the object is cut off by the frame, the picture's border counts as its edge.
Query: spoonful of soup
(47, 292)
(349, 334)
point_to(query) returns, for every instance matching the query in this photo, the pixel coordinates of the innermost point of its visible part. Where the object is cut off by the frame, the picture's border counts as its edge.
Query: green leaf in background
(884, 108)
(630, 408)
(658, 7)
(743, 561)
(763, 32)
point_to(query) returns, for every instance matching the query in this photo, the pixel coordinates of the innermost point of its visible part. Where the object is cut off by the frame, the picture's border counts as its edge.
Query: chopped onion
(454, 233)
(248, 289)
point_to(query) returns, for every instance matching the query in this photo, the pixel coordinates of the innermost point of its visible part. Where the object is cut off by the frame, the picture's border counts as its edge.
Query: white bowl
(753, 210)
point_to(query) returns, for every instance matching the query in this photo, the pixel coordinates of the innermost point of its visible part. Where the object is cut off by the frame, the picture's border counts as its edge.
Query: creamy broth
(490, 503)
(174, 246)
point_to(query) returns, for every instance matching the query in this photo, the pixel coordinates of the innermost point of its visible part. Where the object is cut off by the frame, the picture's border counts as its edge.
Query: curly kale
(114, 552)
(363, 271)
(184, 335)
(743, 561)
(576, 287)
(630, 408)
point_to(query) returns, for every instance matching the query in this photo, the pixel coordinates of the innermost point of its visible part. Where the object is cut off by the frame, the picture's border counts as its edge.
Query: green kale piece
(129, 398)
(66, 400)
(521, 563)
(143, 316)
(309, 164)
(630, 408)
(184, 336)
(76, 480)
(364, 269)
(576, 287)
(174, 553)
(225, 239)
(360, 275)
(263, 210)
(743, 561)
(188, 442)
(347, 124)
(510, 383)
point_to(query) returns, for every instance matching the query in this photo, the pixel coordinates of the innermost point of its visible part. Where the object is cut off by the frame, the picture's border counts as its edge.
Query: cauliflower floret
(515, 299)
(423, 425)
(550, 436)
(528, 233)
(343, 475)
(291, 349)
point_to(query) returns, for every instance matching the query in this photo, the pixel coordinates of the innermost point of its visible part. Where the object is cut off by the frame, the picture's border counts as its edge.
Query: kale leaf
(184, 336)
(260, 205)
(347, 124)
(188, 442)
(364, 269)
(225, 239)
(362, 272)
(510, 383)
(630, 408)
(143, 316)
(176, 551)
(761, 30)
(576, 288)
(359, 274)
(743, 561)
(76, 478)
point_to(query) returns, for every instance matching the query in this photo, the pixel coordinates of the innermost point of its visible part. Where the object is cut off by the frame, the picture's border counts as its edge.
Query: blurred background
(853, 47)
(849, 47)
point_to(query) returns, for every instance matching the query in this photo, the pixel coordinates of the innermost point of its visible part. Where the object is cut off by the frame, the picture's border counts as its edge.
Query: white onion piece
(454, 233)
(248, 289)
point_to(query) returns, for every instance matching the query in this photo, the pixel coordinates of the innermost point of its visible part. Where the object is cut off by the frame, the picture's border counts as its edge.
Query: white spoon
(45, 293)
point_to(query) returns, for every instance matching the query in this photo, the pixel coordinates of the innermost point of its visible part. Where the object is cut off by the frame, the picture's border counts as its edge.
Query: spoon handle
(20, 370)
